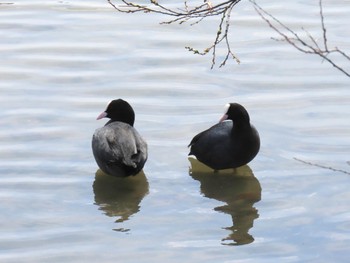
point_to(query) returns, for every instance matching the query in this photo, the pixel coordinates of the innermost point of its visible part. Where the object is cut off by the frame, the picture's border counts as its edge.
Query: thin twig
(323, 27)
(297, 42)
(321, 166)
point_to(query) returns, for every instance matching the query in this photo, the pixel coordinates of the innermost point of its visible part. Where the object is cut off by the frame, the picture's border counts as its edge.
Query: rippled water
(62, 61)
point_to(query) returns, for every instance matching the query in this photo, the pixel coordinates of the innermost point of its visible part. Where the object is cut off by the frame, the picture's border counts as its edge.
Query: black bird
(231, 143)
(118, 148)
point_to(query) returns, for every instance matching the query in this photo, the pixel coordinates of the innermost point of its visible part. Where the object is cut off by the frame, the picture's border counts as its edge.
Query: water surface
(63, 61)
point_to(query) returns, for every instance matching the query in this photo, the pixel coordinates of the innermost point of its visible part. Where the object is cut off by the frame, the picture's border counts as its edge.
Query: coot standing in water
(231, 143)
(118, 148)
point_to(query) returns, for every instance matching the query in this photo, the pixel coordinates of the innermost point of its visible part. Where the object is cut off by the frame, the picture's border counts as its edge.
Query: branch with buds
(194, 14)
(223, 9)
(307, 46)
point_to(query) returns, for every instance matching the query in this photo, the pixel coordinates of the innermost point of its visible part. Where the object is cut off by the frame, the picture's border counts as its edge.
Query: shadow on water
(239, 189)
(120, 196)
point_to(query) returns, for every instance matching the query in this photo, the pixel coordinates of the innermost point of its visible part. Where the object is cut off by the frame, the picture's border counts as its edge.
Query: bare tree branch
(196, 13)
(322, 166)
(292, 38)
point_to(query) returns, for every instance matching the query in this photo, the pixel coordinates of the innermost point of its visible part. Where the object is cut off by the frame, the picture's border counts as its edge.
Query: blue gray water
(62, 61)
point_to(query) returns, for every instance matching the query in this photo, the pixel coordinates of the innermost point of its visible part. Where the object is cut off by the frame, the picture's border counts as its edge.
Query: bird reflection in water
(120, 196)
(239, 189)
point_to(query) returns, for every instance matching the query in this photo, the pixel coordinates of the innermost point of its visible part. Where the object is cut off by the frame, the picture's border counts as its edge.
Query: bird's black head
(237, 113)
(119, 110)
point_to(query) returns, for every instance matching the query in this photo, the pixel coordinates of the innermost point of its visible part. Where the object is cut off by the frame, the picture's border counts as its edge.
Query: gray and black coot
(231, 143)
(118, 148)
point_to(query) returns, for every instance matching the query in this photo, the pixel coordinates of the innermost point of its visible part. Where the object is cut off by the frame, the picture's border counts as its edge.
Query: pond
(63, 61)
